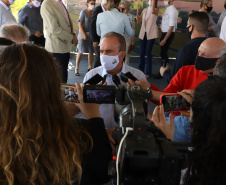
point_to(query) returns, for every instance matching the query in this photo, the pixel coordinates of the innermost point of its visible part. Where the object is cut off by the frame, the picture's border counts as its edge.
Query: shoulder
(48, 3)
(98, 8)
(194, 43)
(92, 72)
(102, 14)
(1, 8)
(83, 12)
(24, 8)
(187, 69)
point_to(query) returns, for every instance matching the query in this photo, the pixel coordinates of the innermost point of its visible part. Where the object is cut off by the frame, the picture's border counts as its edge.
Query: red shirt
(186, 78)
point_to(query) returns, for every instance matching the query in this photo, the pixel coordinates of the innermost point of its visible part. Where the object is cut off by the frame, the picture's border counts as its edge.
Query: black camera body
(146, 156)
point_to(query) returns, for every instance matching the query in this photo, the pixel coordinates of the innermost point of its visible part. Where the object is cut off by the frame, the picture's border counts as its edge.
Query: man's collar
(103, 8)
(4, 5)
(29, 5)
(114, 10)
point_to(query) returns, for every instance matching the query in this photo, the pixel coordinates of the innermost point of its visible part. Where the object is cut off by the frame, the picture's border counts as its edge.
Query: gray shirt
(85, 20)
(31, 18)
(6, 15)
(113, 21)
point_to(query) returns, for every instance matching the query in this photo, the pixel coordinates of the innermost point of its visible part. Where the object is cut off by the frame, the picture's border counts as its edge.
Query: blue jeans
(146, 49)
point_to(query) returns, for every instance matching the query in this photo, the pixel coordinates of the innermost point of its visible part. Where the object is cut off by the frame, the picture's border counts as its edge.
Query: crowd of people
(44, 140)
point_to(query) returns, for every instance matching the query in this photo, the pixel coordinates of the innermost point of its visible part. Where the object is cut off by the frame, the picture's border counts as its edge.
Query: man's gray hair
(223, 51)
(120, 38)
(103, 2)
(126, 3)
(15, 32)
(220, 69)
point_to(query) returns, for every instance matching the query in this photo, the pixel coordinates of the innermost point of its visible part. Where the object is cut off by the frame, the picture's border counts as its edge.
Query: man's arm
(179, 63)
(128, 28)
(50, 20)
(162, 43)
(95, 37)
(98, 24)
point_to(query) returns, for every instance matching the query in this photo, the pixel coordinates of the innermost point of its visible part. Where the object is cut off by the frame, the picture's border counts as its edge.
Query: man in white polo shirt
(169, 25)
(112, 48)
(6, 15)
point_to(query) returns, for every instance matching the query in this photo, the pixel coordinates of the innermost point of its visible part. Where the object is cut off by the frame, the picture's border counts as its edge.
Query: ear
(191, 28)
(122, 55)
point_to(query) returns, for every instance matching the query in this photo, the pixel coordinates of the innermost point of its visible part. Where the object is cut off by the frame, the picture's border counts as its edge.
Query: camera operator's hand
(90, 110)
(159, 120)
(112, 141)
(143, 83)
(188, 94)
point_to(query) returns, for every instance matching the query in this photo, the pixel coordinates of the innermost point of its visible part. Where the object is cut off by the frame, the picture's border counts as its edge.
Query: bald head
(212, 48)
(209, 52)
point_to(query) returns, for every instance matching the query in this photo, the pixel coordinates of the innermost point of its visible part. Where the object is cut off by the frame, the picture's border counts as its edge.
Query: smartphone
(94, 80)
(69, 93)
(130, 75)
(174, 102)
(99, 94)
(126, 76)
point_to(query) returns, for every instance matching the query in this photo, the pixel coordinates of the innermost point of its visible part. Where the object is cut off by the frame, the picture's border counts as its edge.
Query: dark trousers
(97, 57)
(165, 48)
(40, 41)
(146, 49)
(63, 60)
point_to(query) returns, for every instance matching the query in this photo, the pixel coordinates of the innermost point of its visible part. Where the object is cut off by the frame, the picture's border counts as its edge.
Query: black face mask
(203, 64)
(225, 6)
(209, 9)
(189, 33)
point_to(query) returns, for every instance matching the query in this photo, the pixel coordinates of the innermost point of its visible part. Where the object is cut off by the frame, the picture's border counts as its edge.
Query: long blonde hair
(39, 144)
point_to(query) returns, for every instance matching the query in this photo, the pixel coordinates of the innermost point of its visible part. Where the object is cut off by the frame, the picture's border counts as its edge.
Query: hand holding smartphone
(174, 102)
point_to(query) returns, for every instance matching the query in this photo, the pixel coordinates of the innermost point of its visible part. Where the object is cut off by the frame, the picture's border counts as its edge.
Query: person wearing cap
(30, 17)
(6, 15)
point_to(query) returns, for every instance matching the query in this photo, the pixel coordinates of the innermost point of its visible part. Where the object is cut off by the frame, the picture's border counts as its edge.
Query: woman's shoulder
(83, 12)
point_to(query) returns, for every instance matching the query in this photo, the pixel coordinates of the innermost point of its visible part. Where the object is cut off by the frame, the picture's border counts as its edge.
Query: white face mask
(166, 3)
(11, 1)
(150, 3)
(91, 7)
(109, 62)
(36, 3)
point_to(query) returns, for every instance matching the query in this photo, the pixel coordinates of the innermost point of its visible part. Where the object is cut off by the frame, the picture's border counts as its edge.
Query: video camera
(145, 155)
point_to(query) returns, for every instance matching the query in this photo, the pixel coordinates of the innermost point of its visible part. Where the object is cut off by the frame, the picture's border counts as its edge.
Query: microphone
(116, 80)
